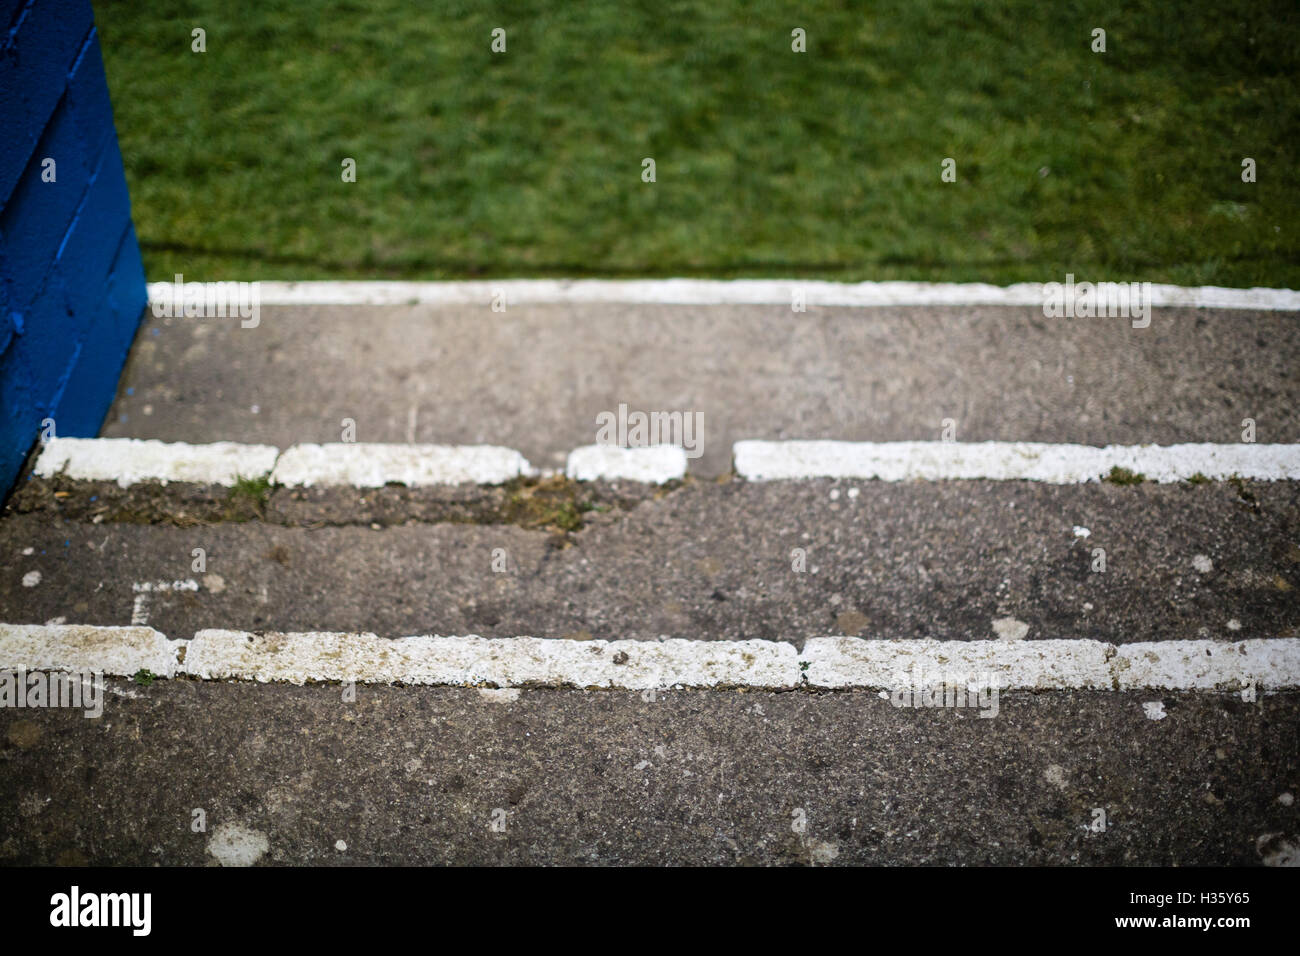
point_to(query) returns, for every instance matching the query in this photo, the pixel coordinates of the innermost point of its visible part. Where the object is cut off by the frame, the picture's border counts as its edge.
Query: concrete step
(428, 775)
(1150, 713)
(535, 377)
(735, 560)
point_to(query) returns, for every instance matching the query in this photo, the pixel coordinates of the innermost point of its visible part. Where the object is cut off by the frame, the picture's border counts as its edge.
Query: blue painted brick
(7, 325)
(128, 293)
(83, 298)
(91, 241)
(72, 286)
(43, 351)
(38, 214)
(85, 284)
(103, 316)
(34, 67)
(8, 13)
(31, 371)
(88, 99)
(19, 422)
(92, 382)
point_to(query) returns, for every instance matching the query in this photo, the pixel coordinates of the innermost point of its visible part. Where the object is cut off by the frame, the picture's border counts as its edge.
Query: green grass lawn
(1124, 165)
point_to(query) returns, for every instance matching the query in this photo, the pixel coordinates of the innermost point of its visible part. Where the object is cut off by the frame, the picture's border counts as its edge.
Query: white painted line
(373, 466)
(826, 662)
(1206, 664)
(1039, 665)
(131, 460)
(841, 662)
(655, 464)
(505, 662)
(122, 651)
(1009, 461)
(727, 292)
(127, 461)
(162, 587)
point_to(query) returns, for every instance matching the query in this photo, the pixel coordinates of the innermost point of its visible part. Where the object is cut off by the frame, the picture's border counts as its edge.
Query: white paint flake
(234, 844)
(1009, 629)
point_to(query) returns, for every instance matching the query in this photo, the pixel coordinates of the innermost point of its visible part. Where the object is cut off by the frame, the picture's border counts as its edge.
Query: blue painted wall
(72, 287)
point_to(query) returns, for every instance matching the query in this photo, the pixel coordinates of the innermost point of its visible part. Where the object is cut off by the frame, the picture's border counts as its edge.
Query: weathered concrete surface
(418, 775)
(706, 561)
(534, 378)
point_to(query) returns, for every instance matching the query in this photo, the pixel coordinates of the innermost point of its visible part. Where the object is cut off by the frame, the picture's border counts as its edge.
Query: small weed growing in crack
(550, 503)
(251, 489)
(1122, 476)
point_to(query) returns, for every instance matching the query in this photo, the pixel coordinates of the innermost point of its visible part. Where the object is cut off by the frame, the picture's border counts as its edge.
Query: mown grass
(1124, 165)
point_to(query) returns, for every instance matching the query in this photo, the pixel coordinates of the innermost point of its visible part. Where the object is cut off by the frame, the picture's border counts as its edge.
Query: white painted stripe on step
(1040, 665)
(121, 651)
(828, 662)
(655, 464)
(373, 465)
(128, 461)
(131, 460)
(841, 662)
(1003, 461)
(1206, 664)
(727, 292)
(506, 662)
